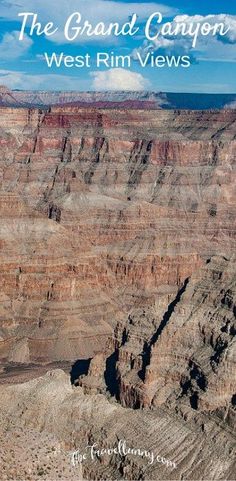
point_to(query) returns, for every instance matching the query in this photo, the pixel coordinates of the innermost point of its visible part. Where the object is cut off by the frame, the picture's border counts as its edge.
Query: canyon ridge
(117, 255)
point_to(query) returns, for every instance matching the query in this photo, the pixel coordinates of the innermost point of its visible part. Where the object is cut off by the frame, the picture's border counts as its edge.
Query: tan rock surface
(102, 212)
(189, 356)
(50, 409)
(117, 245)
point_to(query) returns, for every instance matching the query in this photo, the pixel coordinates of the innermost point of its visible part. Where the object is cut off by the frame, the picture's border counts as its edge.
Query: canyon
(129, 100)
(117, 255)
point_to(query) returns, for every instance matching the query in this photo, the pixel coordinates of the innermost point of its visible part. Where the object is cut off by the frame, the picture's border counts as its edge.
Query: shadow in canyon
(110, 375)
(80, 367)
(163, 323)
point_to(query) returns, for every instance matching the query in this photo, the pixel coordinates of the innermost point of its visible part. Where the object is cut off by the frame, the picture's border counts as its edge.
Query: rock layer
(200, 449)
(117, 241)
(188, 356)
(103, 212)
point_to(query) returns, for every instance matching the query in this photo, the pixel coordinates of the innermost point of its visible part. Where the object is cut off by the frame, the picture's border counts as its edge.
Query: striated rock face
(184, 359)
(117, 253)
(103, 212)
(52, 419)
(188, 357)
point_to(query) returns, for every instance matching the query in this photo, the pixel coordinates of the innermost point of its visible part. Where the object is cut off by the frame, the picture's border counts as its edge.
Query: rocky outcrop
(187, 357)
(103, 212)
(53, 419)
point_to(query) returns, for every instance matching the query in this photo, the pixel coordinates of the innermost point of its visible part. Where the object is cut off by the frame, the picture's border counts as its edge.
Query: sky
(212, 62)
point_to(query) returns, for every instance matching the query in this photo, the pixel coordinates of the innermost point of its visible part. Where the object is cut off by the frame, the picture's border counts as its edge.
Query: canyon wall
(117, 254)
(103, 212)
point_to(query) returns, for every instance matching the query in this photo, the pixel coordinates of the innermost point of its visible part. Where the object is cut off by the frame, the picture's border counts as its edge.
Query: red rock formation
(188, 356)
(103, 212)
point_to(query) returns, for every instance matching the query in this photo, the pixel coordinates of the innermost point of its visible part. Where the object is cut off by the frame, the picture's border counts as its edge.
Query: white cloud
(25, 81)
(114, 79)
(106, 11)
(165, 46)
(119, 79)
(214, 48)
(228, 20)
(11, 48)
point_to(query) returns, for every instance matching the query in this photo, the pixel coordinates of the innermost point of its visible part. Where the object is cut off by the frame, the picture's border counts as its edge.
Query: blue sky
(22, 64)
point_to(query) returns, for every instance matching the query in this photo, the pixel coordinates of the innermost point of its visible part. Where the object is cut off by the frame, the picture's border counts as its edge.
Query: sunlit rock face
(103, 212)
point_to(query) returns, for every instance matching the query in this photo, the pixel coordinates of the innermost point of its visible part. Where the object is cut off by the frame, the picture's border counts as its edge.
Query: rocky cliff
(103, 212)
(184, 359)
(117, 254)
(43, 421)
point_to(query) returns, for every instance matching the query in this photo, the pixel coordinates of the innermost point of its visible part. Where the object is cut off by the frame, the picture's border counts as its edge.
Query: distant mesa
(131, 100)
(103, 100)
